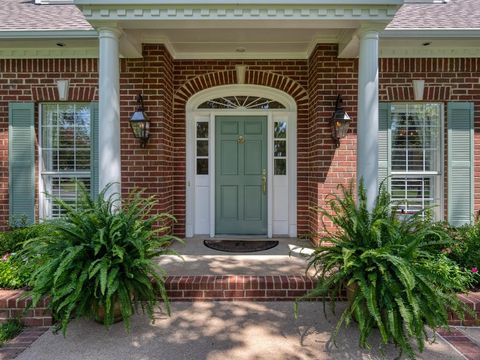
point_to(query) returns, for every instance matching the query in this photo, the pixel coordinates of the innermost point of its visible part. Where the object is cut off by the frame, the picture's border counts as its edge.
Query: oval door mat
(240, 246)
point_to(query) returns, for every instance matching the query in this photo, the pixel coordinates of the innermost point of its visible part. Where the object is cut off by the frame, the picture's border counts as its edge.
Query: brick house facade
(167, 83)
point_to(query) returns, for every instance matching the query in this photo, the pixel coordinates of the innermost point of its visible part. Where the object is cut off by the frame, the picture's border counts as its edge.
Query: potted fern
(99, 259)
(388, 266)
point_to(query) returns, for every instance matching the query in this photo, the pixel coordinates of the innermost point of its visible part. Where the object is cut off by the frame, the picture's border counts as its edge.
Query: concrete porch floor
(221, 330)
(288, 258)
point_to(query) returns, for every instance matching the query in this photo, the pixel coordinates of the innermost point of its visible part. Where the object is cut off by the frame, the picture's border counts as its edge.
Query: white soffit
(252, 29)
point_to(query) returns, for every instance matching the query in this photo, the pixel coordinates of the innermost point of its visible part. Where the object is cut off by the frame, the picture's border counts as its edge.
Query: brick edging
(214, 288)
(472, 300)
(12, 348)
(13, 305)
(461, 342)
(238, 287)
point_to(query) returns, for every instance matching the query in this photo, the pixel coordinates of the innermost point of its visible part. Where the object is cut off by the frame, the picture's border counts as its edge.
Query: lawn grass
(9, 330)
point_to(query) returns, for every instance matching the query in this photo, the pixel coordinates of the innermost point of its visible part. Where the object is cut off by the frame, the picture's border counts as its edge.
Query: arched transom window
(241, 102)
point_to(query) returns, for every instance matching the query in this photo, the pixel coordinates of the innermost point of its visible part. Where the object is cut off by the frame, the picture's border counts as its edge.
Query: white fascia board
(431, 33)
(239, 2)
(48, 34)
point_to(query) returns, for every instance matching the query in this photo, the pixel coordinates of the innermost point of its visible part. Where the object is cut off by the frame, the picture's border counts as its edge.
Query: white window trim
(440, 181)
(289, 114)
(42, 201)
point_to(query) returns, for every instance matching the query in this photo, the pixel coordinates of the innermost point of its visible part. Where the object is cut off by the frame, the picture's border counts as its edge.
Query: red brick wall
(167, 84)
(329, 166)
(445, 80)
(34, 80)
(150, 167)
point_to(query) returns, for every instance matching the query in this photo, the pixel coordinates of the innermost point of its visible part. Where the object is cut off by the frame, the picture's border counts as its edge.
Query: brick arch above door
(253, 77)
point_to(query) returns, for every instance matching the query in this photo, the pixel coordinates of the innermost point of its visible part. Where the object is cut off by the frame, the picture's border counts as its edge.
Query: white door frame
(289, 114)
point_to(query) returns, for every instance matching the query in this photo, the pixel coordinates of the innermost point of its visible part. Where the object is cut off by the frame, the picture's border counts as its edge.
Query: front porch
(295, 170)
(288, 258)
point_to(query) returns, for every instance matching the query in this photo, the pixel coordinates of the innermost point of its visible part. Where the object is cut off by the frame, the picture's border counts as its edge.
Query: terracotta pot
(117, 314)
(351, 289)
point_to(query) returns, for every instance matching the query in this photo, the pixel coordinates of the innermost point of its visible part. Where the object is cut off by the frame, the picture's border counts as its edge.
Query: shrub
(394, 281)
(100, 259)
(12, 276)
(465, 251)
(458, 278)
(9, 330)
(12, 241)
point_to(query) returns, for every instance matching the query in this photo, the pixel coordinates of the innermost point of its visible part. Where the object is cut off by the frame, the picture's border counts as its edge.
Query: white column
(367, 125)
(109, 110)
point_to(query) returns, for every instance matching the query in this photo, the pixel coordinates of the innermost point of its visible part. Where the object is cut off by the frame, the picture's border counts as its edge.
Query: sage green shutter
(94, 128)
(460, 163)
(383, 144)
(21, 161)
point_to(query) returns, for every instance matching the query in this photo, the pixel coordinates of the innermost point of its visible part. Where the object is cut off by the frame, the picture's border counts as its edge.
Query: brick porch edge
(13, 305)
(209, 288)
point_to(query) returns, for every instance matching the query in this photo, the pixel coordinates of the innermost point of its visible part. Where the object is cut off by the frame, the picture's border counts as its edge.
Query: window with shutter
(410, 152)
(65, 153)
(21, 160)
(460, 163)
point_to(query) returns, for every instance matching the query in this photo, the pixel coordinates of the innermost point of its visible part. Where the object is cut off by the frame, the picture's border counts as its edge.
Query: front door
(241, 175)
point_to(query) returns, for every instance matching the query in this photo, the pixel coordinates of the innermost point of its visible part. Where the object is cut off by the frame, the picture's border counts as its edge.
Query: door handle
(264, 181)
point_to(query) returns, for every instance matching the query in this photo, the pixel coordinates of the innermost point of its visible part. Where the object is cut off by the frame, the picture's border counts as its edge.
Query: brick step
(213, 288)
(237, 287)
(472, 300)
(13, 305)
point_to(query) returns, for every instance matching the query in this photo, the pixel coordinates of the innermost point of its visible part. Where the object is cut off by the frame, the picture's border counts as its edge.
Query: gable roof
(455, 14)
(26, 15)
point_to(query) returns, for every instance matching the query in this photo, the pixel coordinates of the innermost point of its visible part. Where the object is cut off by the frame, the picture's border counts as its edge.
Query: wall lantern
(340, 122)
(140, 123)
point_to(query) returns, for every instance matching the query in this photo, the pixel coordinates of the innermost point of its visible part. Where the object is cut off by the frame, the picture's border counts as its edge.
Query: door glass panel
(202, 147)
(280, 130)
(280, 166)
(280, 148)
(202, 130)
(202, 166)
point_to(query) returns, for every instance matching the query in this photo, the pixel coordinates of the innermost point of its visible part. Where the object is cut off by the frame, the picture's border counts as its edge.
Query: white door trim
(289, 114)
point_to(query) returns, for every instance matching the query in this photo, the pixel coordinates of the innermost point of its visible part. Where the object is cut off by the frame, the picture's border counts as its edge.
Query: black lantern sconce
(340, 122)
(140, 123)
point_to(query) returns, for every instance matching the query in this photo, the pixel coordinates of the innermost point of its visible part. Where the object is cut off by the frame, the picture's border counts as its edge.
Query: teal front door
(241, 175)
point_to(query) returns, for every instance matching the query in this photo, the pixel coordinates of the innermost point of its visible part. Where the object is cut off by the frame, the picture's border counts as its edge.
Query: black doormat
(240, 246)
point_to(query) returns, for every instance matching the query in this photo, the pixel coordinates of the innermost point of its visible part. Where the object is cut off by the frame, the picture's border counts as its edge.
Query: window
(241, 102)
(416, 156)
(280, 148)
(64, 153)
(202, 147)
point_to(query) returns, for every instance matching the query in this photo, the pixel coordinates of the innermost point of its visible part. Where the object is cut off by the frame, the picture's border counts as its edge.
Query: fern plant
(100, 256)
(386, 264)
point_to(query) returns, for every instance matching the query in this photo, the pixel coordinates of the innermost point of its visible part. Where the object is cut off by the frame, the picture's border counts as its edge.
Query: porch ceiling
(238, 29)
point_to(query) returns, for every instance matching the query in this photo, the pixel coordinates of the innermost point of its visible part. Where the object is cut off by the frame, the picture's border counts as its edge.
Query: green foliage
(387, 264)
(465, 251)
(458, 278)
(101, 257)
(12, 241)
(12, 275)
(9, 330)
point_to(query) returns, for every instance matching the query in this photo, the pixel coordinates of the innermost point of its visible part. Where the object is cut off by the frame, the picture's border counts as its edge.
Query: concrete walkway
(218, 331)
(288, 258)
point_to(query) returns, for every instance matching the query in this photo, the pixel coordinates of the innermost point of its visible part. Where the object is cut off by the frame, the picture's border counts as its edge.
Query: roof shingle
(25, 15)
(455, 14)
